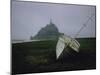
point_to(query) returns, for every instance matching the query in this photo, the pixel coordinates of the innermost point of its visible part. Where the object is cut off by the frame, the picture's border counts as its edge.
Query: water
(22, 41)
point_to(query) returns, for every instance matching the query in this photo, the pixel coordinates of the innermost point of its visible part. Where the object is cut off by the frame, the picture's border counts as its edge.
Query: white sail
(60, 47)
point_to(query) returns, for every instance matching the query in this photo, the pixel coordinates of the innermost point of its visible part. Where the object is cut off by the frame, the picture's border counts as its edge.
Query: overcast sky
(29, 17)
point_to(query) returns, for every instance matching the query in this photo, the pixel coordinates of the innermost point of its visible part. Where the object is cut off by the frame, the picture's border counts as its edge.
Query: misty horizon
(29, 17)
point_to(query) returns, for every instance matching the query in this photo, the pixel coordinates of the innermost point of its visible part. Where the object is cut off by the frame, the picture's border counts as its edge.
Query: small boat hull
(68, 54)
(66, 46)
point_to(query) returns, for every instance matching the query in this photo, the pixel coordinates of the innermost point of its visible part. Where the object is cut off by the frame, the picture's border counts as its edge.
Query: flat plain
(40, 56)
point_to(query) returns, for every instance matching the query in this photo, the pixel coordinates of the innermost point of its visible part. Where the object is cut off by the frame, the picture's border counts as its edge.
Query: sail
(60, 47)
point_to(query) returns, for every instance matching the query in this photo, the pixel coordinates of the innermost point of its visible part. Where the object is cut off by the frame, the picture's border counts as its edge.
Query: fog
(29, 17)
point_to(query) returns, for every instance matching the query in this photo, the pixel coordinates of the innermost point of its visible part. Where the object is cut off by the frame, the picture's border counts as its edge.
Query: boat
(66, 44)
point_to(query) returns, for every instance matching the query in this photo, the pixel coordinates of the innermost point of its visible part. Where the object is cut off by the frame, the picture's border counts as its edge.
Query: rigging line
(84, 25)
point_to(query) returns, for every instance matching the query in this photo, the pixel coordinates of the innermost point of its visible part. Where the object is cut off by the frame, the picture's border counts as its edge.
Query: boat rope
(83, 26)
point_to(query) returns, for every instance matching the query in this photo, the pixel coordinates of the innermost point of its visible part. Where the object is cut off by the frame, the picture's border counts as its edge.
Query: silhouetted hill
(50, 31)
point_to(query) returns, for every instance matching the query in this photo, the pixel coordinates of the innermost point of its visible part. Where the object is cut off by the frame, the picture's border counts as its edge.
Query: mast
(84, 25)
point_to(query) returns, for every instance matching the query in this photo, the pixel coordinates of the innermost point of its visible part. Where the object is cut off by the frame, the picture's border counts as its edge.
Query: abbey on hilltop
(50, 31)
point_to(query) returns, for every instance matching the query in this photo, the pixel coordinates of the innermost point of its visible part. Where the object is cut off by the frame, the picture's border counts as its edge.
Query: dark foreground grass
(40, 56)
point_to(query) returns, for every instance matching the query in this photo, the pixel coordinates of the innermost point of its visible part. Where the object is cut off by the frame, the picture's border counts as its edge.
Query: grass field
(40, 56)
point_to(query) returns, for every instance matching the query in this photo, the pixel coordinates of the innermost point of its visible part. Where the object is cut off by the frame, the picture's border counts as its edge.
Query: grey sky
(29, 17)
